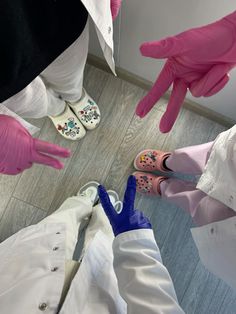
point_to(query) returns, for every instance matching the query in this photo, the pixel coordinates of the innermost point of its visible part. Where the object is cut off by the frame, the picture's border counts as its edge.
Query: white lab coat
(216, 242)
(32, 271)
(219, 176)
(100, 13)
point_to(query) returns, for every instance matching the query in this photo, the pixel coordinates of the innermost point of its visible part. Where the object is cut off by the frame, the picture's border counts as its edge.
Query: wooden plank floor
(106, 155)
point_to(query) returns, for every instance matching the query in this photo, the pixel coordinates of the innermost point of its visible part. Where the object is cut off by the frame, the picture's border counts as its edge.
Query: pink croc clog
(148, 183)
(151, 160)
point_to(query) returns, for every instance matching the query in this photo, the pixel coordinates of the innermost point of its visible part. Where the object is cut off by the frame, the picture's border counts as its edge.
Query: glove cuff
(145, 225)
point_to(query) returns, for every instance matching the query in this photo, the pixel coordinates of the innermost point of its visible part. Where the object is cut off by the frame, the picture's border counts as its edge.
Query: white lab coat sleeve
(144, 282)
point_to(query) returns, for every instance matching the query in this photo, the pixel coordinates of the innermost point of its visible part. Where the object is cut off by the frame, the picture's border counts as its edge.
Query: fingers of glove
(163, 82)
(210, 80)
(106, 203)
(50, 148)
(176, 100)
(114, 12)
(130, 193)
(169, 47)
(115, 7)
(40, 158)
(220, 85)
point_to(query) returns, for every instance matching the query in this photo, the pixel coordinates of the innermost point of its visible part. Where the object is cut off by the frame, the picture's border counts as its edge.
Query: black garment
(33, 33)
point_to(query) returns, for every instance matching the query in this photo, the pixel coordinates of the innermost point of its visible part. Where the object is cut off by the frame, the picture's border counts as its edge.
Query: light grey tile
(7, 187)
(18, 215)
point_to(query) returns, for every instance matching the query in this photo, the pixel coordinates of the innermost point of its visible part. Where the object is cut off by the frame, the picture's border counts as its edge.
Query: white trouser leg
(62, 80)
(35, 101)
(72, 212)
(191, 159)
(65, 75)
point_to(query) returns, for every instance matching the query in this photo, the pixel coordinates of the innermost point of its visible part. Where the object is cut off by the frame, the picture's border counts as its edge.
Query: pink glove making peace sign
(198, 59)
(19, 150)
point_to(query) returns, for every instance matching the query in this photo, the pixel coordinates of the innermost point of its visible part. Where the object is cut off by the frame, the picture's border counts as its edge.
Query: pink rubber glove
(115, 7)
(198, 59)
(19, 150)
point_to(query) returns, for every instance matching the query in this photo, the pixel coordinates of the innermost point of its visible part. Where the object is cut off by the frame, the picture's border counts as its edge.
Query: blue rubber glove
(129, 218)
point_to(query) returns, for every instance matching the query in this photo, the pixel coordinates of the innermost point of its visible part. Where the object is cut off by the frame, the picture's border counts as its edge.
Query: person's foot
(151, 160)
(87, 111)
(148, 184)
(68, 125)
(90, 190)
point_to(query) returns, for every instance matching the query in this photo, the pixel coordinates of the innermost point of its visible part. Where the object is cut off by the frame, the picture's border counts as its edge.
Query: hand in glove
(198, 59)
(19, 150)
(129, 218)
(115, 7)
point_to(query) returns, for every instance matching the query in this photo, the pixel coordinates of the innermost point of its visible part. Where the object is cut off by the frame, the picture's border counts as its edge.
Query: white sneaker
(68, 125)
(114, 198)
(87, 111)
(90, 190)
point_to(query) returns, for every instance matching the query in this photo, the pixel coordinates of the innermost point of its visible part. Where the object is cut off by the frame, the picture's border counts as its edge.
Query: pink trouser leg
(182, 193)
(210, 210)
(202, 208)
(189, 160)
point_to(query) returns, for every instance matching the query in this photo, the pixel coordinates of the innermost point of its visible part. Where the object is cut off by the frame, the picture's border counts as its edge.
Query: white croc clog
(87, 111)
(68, 125)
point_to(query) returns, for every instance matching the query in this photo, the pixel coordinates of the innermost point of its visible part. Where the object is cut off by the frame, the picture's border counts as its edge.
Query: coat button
(43, 306)
(55, 248)
(54, 269)
(212, 230)
(109, 29)
(58, 232)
